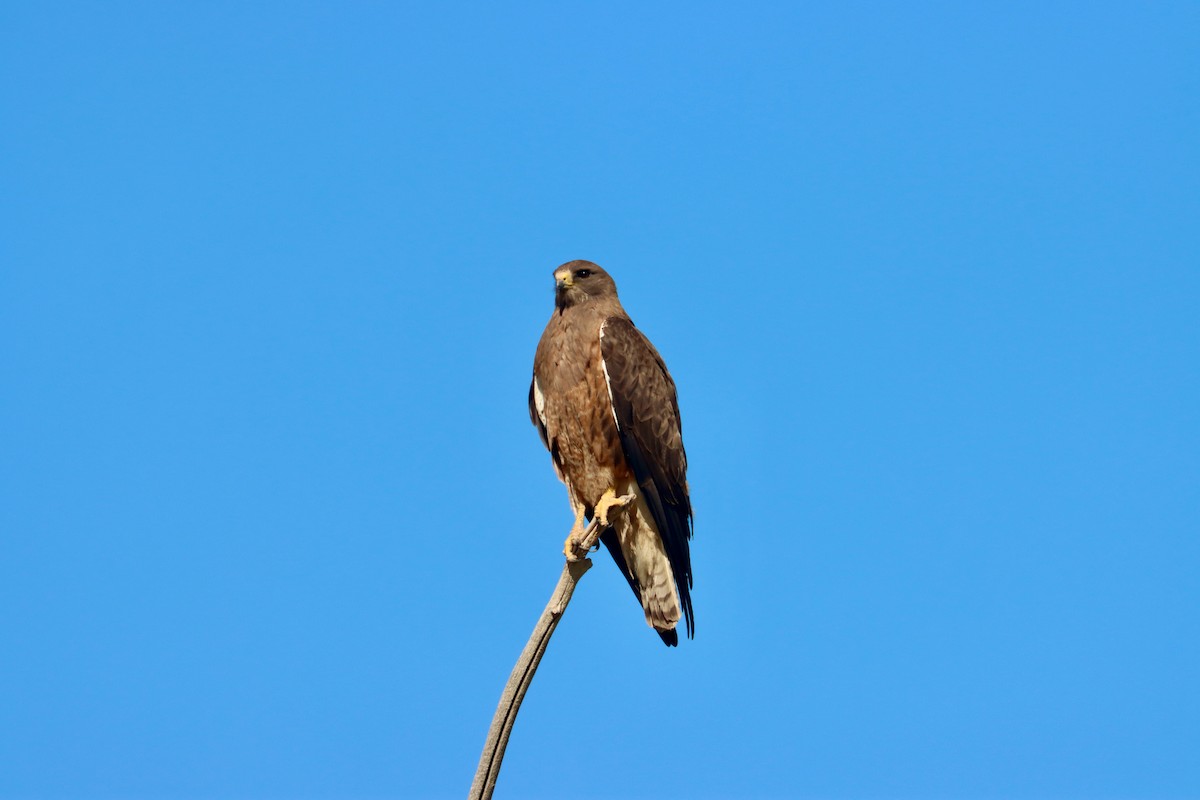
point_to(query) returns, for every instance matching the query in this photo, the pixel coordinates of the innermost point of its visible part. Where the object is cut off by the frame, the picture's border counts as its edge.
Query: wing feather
(537, 411)
(646, 409)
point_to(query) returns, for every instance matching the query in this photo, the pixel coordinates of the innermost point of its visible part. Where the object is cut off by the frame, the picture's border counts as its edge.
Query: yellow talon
(609, 501)
(571, 548)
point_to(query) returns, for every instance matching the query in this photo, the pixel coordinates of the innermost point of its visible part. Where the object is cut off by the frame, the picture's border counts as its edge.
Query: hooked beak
(562, 282)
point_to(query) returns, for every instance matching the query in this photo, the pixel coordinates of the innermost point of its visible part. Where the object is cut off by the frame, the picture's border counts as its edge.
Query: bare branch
(527, 664)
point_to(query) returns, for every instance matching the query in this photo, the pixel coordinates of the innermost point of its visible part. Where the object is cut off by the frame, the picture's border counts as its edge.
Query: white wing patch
(539, 402)
(612, 407)
(539, 405)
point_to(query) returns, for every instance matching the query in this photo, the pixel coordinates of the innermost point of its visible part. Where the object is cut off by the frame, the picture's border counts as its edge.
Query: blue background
(274, 522)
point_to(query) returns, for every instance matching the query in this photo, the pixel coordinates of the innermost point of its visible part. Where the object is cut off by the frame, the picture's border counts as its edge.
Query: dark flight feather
(647, 413)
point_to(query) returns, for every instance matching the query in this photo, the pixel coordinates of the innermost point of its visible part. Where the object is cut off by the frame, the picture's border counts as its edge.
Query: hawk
(605, 407)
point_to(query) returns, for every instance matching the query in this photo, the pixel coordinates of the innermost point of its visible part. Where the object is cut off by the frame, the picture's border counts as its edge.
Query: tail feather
(648, 567)
(613, 545)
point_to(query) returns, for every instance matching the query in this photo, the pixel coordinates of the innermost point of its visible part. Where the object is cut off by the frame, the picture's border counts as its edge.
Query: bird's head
(578, 282)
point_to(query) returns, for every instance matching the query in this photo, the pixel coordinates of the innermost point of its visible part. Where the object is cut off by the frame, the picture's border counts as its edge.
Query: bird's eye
(583, 273)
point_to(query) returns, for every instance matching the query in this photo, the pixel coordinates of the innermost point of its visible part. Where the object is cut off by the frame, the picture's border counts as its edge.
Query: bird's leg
(608, 501)
(571, 548)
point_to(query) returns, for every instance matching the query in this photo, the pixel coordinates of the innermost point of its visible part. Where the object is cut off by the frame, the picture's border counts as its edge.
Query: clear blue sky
(274, 522)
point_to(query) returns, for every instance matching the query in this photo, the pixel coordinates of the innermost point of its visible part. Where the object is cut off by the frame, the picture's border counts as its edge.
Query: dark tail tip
(670, 637)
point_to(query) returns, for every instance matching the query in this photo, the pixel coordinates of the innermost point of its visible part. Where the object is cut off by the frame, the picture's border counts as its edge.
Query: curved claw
(608, 502)
(572, 549)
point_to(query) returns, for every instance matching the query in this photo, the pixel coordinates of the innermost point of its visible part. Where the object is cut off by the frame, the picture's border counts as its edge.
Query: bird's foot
(573, 548)
(609, 501)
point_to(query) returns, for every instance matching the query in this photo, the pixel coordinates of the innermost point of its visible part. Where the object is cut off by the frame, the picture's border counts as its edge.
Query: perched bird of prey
(605, 407)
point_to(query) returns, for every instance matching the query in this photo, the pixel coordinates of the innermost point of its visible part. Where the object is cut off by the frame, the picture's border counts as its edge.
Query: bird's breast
(578, 412)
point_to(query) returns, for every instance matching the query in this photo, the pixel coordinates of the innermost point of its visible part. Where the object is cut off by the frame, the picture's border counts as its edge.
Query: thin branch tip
(527, 663)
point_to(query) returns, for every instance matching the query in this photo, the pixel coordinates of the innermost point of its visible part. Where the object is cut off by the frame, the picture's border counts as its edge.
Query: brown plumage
(605, 407)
